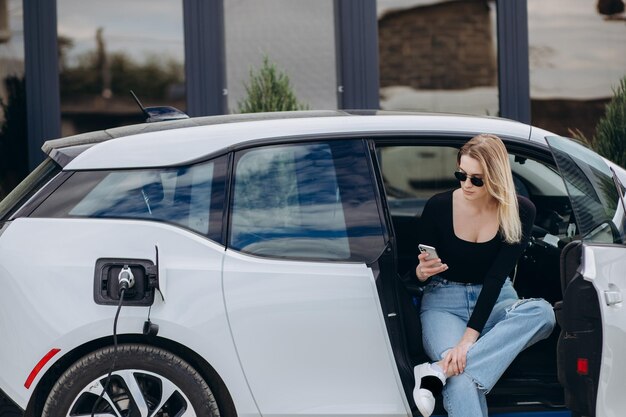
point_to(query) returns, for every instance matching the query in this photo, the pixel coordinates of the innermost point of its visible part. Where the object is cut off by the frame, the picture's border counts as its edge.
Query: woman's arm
(428, 235)
(456, 358)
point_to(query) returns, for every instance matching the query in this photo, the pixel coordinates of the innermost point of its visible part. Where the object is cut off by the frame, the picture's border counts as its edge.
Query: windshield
(590, 184)
(28, 187)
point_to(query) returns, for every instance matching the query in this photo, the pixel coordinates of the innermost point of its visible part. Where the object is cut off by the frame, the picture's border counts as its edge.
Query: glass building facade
(104, 54)
(13, 144)
(438, 56)
(577, 54)
(297, 36)
(553, 64)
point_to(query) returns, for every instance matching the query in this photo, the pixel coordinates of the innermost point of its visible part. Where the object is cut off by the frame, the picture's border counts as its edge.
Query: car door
(301, 299)
(591, 360)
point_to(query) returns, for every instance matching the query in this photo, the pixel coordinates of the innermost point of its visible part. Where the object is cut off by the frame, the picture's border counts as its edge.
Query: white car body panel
(57, 301)
(172, 147)
(328, 313)
(604, 266)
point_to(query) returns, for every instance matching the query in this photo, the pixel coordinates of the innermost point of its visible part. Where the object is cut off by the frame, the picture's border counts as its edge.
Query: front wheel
(146, 381)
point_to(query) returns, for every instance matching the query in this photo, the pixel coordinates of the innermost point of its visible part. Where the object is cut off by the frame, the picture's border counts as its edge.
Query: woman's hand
(455, 361)
(426, 269)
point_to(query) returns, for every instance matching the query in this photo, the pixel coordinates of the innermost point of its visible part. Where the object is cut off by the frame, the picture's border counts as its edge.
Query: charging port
(110, 272)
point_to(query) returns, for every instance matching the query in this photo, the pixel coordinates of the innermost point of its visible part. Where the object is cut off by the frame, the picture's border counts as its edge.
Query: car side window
(413, 174)
(306, 201)
(189, 196)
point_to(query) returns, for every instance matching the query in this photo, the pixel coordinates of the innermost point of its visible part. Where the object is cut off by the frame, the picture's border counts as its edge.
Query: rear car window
(190, 196)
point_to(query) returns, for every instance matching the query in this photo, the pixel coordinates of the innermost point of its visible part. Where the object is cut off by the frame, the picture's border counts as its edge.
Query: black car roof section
(91, 138)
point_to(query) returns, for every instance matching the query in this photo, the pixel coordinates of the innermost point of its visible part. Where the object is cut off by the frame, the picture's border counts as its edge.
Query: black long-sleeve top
(487, 263)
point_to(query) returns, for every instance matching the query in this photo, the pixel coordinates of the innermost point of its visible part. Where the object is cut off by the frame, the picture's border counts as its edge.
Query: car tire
(144, 377)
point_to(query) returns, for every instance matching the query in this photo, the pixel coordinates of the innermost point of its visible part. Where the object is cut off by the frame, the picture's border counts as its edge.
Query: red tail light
(582, 366)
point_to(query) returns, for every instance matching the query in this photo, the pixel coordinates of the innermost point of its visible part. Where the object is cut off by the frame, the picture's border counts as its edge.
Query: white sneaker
(428, 384)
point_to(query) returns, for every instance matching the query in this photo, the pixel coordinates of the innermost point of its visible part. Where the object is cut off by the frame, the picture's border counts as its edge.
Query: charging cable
(126, 280)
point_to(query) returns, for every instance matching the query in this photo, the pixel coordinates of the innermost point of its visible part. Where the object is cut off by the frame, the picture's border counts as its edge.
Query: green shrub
(609, 138)
(269, 90)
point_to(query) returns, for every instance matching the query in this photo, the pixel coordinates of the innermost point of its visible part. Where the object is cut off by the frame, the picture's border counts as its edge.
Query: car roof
(183, 141)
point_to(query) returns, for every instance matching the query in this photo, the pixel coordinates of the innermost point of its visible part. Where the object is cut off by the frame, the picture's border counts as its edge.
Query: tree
(609, 139)
(269, 90)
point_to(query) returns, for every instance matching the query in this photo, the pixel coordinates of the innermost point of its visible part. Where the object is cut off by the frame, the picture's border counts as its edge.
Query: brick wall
(443, 46)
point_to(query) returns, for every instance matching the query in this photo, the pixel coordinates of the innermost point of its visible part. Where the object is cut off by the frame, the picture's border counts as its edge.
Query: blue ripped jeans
(513, 325)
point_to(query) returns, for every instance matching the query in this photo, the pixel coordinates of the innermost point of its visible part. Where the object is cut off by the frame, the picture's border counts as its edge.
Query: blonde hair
(490, 152)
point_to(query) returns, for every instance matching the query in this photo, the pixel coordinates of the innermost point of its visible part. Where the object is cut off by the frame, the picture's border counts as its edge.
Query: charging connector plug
(126, 279)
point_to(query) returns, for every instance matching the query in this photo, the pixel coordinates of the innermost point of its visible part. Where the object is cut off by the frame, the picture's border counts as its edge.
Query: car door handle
(612, 297)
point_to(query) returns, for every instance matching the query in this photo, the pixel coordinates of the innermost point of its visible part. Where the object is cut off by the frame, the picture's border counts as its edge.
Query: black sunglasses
(462, 176)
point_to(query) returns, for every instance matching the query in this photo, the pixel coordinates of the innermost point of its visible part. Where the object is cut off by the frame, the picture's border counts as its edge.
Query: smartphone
(431, 251)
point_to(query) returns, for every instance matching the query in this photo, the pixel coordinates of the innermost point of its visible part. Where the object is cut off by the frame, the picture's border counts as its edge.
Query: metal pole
(205, 57)
(357, 28)
(43, 104)
(513, 69)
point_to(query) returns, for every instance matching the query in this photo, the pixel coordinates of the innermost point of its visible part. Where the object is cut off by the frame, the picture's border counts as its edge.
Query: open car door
(592, 315)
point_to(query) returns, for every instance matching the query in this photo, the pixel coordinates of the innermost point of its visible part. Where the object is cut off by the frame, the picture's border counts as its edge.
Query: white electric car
(264, 261)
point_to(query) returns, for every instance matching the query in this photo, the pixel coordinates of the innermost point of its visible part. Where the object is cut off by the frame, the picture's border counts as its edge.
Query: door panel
(580, 340)
(311, 337)
(302, 305)
(597, 200)
(604, 267)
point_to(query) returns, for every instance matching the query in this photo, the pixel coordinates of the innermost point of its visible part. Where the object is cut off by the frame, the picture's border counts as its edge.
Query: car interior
(411, 175)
